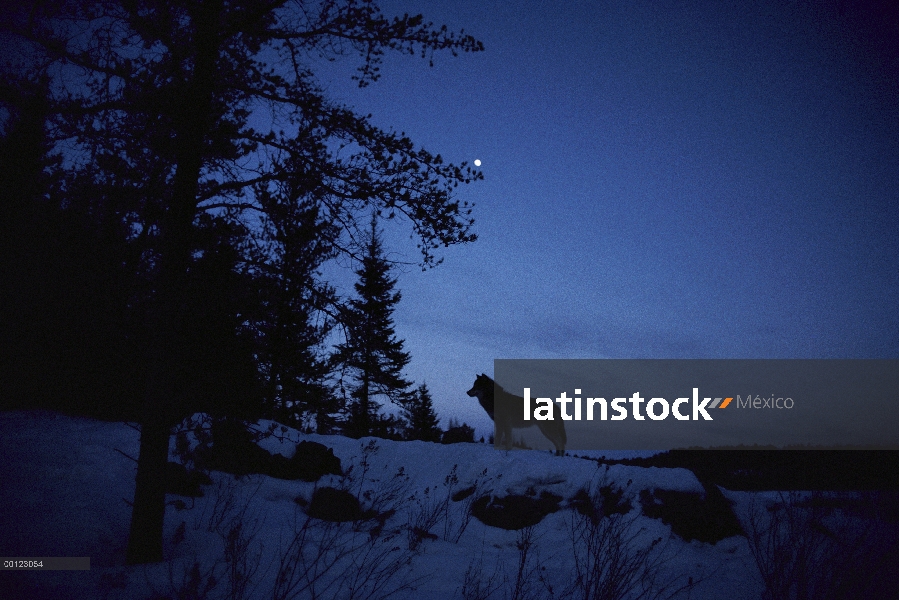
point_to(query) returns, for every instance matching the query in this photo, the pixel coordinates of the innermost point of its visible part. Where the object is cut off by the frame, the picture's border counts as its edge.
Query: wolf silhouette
(510, 414)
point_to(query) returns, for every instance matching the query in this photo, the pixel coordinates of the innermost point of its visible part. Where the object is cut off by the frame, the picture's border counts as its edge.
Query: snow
(65, 484)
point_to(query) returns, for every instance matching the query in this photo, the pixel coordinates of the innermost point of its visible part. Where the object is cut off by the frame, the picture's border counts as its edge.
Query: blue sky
(666, 179)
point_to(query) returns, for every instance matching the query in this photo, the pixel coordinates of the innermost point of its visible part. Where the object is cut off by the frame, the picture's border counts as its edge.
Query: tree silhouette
(420, 415)
(65, 293)
(295, 320)
(164, 112)
(457, 433)
(372, 354)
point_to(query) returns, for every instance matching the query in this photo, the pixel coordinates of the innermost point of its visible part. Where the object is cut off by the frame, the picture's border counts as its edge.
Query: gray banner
(665, 404)
(45, 563)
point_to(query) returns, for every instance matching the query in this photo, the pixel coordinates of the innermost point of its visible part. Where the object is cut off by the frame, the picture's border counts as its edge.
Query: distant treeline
(763, 469)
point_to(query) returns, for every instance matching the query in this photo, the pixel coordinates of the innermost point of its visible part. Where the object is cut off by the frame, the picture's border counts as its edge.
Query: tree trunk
(145, 537)
(157, 416)
(161, 409)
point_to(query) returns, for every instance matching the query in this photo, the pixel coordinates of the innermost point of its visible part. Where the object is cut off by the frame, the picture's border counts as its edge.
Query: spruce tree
(423, 422)
(372, 355)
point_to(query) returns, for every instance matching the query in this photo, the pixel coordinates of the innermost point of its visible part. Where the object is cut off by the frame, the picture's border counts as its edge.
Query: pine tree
(168, 111)
(372, 354)
(423, 422)
(295, 320)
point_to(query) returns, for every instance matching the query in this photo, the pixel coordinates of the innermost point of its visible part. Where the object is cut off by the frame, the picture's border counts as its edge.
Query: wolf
(553, 430)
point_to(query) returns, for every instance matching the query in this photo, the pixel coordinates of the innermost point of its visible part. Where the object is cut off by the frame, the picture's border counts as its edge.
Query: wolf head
(483, 387)
(483, 391)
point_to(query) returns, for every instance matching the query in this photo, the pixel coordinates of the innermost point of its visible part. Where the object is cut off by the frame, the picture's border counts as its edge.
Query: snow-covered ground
(65, 484)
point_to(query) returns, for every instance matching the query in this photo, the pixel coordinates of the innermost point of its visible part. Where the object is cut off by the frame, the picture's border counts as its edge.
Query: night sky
(662, 180)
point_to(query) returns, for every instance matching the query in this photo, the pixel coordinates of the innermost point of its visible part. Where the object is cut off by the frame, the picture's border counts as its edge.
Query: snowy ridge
(66, 483)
